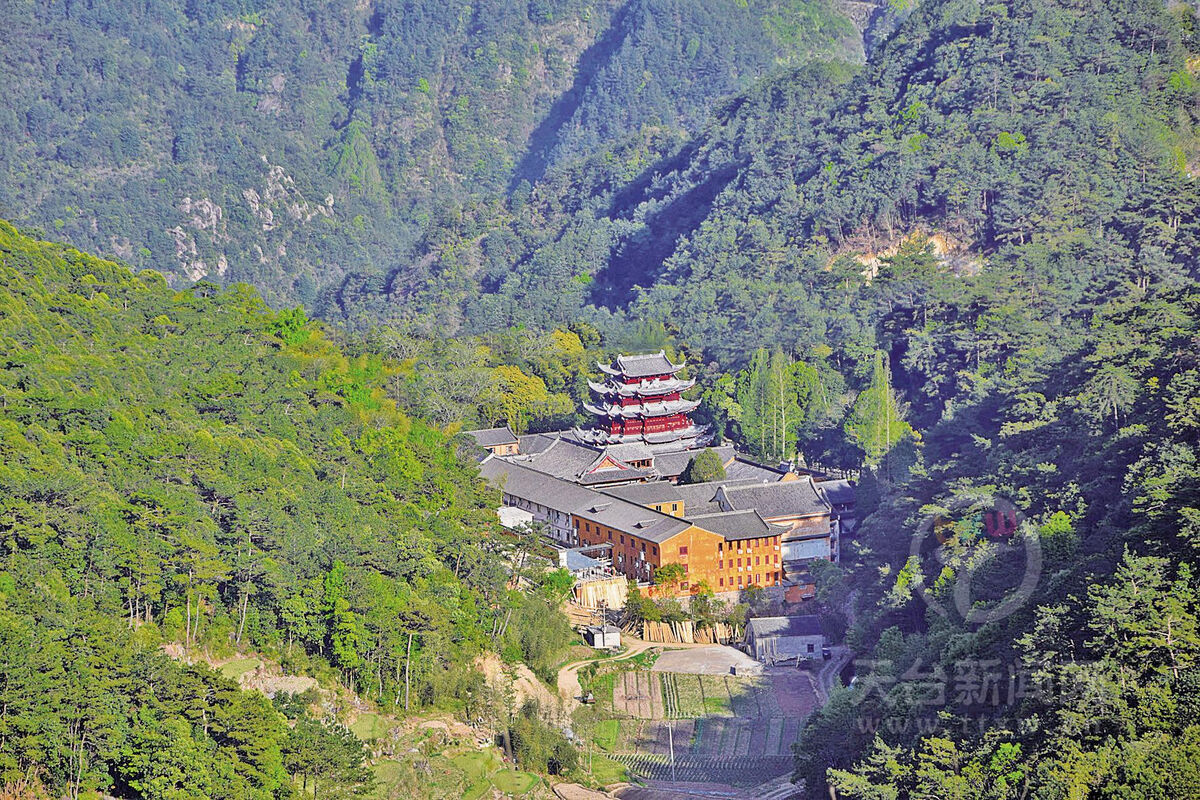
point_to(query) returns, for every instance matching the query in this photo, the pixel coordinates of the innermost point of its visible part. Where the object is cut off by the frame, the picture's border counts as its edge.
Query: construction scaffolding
(592, 563)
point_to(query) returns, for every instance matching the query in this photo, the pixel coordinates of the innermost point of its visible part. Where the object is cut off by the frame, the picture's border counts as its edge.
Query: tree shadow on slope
(546, 135)
(638, 261)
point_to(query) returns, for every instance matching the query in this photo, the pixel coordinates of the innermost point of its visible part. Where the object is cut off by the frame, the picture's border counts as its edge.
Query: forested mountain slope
(193, 468)
(288, 143)
(971, 264)
(1059, 658)
(1054, 141)
(992, 234)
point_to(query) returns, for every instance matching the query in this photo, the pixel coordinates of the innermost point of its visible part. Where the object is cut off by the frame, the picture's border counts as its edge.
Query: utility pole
(671, 744)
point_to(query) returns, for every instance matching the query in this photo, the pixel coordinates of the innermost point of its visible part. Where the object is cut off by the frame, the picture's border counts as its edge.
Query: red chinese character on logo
(1000, 524)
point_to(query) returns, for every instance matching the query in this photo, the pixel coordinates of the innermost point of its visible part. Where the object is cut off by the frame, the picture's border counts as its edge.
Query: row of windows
(749, 544)
(757, 562)
(769, 579)
(520, 502)
(683, 549)
(587, 527)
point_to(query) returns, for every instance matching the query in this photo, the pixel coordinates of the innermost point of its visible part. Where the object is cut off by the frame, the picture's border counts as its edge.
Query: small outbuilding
(497, 441)
(771, 639)
(602, 637)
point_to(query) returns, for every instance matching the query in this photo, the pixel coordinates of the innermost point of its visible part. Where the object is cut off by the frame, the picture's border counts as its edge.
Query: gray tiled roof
(493, 437)
(563, 459)
(744, 469)
(534, 486)
(632, 518)
(569, 460)
(537, 442)
(808, 625)
(838, 493)
(646, 493)
(634, 451)
(608, 476)
(730, 508)
(772, 500)
(670, 465)
(735, 525)
(537, 487)
(701, 498)
(644, 365)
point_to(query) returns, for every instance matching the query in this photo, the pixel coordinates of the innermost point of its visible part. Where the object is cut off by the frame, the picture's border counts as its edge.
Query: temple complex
(641, 402)
(615, 486)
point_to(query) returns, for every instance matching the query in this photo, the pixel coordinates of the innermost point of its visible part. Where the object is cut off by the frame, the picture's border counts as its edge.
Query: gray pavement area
(715, 660)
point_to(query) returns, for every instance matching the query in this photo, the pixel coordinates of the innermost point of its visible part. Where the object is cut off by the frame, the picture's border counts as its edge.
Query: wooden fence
(687, 632)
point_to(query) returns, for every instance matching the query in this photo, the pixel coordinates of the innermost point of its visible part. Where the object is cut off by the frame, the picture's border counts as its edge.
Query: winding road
(568, 676)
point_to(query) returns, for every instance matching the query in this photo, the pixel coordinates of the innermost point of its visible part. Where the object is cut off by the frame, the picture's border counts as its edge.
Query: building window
(720, 546)
(610, 536)
(739, 563)
(720, 565)
(811, 649)
(683, 550)
(720, 581)
(757, 560)
(654, 549)
(622, 538)
(777, 558)
(739, 580)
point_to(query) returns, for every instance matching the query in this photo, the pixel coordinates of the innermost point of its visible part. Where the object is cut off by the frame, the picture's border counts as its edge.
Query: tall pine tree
(876, 421)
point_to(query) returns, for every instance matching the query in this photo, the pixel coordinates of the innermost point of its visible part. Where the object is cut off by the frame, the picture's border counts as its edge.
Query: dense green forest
(1053, 163)
(290, 143)
(191, 468)
(975, 261)
(968, 265)
(1063, 661)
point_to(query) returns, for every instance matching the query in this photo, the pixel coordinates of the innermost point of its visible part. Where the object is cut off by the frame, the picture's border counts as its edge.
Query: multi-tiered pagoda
(642, 402)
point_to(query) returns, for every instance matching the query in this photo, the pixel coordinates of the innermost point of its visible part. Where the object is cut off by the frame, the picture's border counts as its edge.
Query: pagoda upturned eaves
(641, 367)
(642, 402)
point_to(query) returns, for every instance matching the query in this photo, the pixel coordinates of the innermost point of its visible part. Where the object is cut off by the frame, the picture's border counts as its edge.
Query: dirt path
(568, 676)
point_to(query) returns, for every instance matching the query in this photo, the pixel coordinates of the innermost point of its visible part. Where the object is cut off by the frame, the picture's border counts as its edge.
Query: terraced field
(638, 694)
(724, 729)
(731, 771)
(686, 696)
